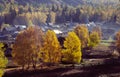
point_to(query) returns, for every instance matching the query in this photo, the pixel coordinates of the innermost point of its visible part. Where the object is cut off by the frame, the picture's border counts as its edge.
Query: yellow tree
(51, 17)
(51, 48)
(72, 52)
(3, 60)
(83, 34)
(42, 17)
(27, 47)
(94, 39)
(98, 30)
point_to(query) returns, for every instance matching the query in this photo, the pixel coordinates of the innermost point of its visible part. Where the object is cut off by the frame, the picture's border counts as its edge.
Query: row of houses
(63, 29)
(10, 32)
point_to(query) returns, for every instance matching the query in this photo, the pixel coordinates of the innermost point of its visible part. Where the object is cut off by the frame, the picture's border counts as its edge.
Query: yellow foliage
(94, 39)
(1, 72)
(51, 48)
(3, 60)
(72, 52)
(98, 30)
(83, 34)
(52, 17)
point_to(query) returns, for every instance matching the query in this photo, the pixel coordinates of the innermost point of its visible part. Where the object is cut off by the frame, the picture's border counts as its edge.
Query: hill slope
(68, 2)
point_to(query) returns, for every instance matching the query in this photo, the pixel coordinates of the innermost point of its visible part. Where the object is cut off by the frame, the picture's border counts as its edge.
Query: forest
(19, 14)
(84, 50)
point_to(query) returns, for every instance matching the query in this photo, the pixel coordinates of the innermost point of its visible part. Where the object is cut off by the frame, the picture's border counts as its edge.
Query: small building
(20, 27)
(57, 31)
(9, 30)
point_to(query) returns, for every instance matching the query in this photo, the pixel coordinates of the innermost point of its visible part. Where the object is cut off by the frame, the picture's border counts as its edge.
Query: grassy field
(107, 42)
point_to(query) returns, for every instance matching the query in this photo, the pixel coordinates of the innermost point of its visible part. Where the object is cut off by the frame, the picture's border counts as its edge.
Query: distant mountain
(68, 2)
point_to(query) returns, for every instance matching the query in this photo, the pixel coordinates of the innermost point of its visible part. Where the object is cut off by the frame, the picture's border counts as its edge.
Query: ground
(99, 62)
(108, 70)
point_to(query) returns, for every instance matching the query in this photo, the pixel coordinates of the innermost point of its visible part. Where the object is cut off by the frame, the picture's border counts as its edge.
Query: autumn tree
(3, 60)
(94, 39)
(27, 47)
(36, 43)
(83, 34)
(72, 52)
(42, 17)
(51, 17)
(51, 48)
(98, 30)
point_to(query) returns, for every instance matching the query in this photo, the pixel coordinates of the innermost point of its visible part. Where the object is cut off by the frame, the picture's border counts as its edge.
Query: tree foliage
(94, 39)
(3, 60)
(72, 52)
(27, 46)
(51, 48)
(83, 34)
(11, 13)
(51, 17)
(98, 30)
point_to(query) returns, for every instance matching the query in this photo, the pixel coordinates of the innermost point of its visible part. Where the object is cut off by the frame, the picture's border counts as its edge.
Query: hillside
(68, 2)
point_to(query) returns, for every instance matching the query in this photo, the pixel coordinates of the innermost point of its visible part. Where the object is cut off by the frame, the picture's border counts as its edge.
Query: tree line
(11, 13)
(33, 45)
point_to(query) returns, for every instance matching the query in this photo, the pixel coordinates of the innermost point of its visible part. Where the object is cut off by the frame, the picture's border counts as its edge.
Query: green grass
(107, 42)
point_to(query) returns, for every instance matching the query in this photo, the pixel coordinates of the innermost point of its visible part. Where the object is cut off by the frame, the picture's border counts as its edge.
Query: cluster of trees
(88, 39)
(11, 13)
(32, 46)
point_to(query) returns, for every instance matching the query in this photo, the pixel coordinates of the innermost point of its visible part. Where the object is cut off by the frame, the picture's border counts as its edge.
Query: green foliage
(3, 60)
(72, 52)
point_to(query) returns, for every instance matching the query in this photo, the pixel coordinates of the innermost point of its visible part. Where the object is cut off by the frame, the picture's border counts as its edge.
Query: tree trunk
(22, 67)
(34, 65)
(28, 66)
(73, 65)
